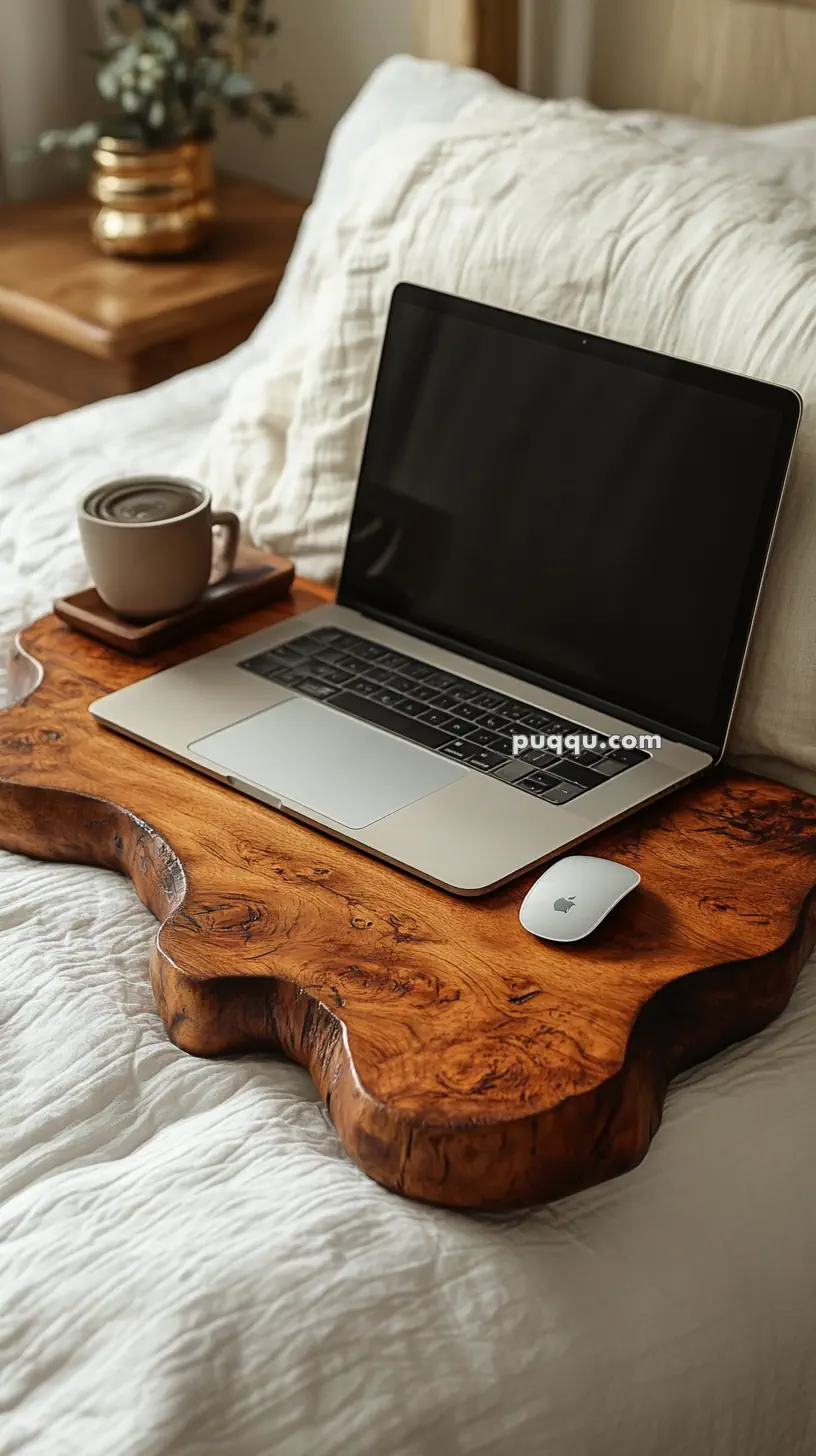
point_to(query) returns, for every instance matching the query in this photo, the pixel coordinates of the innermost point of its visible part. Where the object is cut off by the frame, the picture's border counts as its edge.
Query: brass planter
(153, 202)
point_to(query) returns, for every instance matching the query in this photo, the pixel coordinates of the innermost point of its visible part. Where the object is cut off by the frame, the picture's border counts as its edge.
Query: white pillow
(783, 153)
(561, 212)
(400, 93)
(405, 90)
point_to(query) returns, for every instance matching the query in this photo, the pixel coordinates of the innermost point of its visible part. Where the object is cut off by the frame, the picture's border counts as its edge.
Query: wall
(45, 81)
(327, 48)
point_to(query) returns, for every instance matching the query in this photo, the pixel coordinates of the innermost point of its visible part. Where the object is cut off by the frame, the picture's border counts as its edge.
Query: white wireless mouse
(574, 895)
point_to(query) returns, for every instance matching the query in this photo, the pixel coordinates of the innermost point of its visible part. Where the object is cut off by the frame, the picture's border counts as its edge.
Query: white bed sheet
(189, 1263)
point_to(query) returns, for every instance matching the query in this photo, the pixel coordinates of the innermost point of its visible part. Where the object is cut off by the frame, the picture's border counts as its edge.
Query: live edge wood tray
(462, 1061)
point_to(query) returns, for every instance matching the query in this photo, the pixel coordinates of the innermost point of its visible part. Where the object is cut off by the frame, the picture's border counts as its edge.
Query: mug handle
(227, 552)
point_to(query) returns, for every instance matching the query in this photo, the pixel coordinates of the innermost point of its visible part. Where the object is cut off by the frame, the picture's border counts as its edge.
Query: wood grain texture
(744, 63)
(22, 400)
(76, 326)
(462, 1061)
(444, 32)
(481, 33)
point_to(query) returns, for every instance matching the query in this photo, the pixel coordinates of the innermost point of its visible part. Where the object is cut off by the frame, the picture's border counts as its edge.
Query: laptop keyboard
(461, 720)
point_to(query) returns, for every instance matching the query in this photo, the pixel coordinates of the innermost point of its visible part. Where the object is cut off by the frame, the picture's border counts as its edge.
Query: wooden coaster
(258, 579)
(462, 1061)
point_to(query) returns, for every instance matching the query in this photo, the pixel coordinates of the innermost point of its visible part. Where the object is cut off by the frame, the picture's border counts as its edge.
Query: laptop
(551, 574)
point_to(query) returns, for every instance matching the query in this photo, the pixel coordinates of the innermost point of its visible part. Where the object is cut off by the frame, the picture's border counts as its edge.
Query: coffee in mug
(142, 500)
(148, 541)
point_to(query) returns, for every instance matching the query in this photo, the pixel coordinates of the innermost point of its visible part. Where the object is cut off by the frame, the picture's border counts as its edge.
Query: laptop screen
(592, 517)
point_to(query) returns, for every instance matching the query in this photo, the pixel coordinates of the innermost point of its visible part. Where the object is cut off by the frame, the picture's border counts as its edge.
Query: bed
(188, 1261)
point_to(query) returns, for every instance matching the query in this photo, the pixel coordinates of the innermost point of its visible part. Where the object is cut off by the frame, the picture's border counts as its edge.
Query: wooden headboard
(481, 33)
(743, 61)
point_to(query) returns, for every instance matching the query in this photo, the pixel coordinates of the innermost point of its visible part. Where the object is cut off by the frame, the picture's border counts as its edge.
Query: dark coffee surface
(140, 502)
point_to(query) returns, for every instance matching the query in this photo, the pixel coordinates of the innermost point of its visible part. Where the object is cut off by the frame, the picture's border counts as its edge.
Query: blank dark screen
(594, 523)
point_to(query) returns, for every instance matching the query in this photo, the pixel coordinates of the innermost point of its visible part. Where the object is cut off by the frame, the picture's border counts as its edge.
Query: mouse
(574, 895)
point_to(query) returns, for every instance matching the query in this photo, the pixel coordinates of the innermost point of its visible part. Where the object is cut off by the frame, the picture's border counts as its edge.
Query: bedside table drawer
(41, 376)
(173, 356)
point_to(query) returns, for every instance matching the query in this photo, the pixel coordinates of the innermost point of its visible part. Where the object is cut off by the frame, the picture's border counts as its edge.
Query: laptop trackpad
(309, 755)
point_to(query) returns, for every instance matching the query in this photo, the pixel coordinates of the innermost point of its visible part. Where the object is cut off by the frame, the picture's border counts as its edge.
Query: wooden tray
(259, 578)
(461, 1061)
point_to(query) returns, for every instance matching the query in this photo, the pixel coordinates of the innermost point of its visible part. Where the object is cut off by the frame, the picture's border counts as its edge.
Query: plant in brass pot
(169, 71)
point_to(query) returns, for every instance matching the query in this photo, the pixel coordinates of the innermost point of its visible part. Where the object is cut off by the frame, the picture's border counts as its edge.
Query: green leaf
(50, 140)
(70, 139)
(212, 70)
(162, 42)
(107, 83)
(86, 135)
(236, 83)
(128, 55)
(282, 102)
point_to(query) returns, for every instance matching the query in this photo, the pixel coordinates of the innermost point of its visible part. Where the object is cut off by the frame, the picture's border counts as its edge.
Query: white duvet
(189, 1264)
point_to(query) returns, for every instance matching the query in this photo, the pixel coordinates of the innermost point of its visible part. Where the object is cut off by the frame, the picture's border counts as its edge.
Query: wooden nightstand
(77, 327)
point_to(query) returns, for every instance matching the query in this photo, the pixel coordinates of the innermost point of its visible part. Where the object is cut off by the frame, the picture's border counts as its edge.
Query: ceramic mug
(148, 540)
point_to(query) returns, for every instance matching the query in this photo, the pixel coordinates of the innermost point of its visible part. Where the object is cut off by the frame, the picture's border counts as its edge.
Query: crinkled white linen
(189, 1264)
